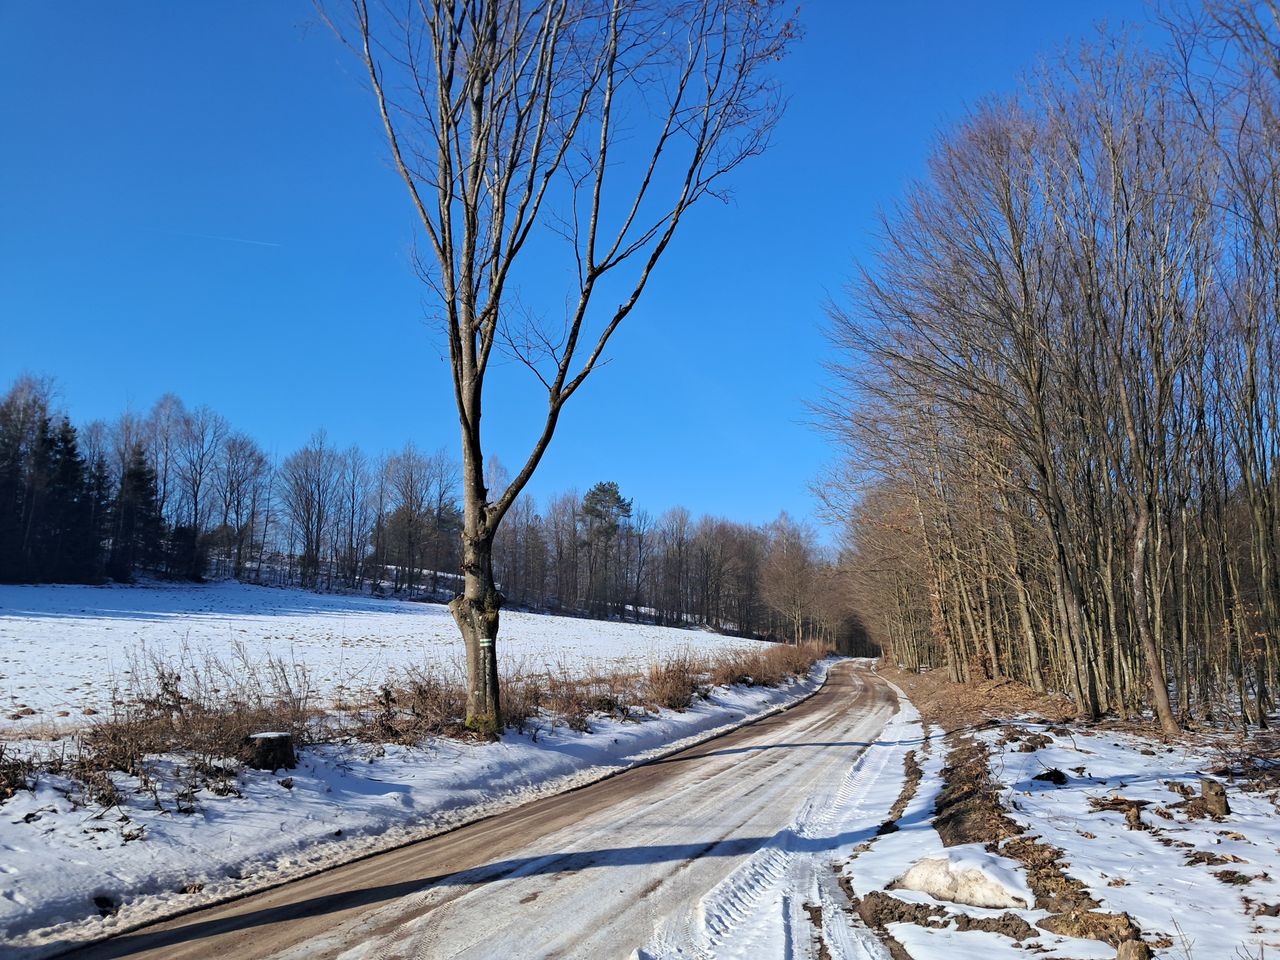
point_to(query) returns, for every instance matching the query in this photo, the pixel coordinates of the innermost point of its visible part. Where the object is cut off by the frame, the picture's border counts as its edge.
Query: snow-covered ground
(889, 857)
(1199, 881)
(61, 863)
(1196, 887)
(63, 648)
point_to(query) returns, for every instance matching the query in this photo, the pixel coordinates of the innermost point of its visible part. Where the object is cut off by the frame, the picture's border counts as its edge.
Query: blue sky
(195, 197)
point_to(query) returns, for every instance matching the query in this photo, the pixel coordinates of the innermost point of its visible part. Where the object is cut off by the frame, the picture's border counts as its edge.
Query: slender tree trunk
(1155, 666)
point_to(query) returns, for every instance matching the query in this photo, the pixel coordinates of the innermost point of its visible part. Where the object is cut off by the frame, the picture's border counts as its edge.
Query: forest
(1057, 397)
(178, 493)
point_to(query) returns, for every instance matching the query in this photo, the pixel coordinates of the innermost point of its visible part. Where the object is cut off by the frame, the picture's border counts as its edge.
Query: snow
(916, 840)
(342, 801)
(95, 637)
(968, 874)
(758, 910)
(1148, 873)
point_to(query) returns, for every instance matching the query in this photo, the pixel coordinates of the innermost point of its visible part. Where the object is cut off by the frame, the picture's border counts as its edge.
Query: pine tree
(71, 541)
(11, 500)
(136, 527)
(604, 511)
(99, 490)
(38, 524)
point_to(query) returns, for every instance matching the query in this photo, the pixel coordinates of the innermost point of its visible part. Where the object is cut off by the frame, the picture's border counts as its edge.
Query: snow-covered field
(63, 648)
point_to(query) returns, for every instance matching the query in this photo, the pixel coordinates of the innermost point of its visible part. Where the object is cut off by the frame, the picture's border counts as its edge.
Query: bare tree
(310, 491)
(505, 114)
(240, 476)
(199, 440)
(791, 582)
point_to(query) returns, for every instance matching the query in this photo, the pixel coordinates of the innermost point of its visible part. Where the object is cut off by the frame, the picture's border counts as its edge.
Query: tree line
(1057, 390)
(179, 493)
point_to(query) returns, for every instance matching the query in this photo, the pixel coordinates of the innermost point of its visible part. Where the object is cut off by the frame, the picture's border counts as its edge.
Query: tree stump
(1133, 950)
(1214, 796)
(272, 751)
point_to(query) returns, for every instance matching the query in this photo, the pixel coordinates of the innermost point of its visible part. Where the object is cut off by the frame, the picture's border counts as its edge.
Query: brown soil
(815, 917)
(877, 909)
(914, 773)
(968, 809)
(956, 706)
(1112, 928)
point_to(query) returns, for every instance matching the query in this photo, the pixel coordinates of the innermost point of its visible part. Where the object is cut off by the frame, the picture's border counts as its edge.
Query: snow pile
(969, 875)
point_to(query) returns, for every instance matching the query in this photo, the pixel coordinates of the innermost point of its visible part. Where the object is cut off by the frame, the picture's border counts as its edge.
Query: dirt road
(666, 860)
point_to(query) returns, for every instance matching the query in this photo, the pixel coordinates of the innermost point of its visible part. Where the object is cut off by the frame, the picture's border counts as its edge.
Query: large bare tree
(599, 122)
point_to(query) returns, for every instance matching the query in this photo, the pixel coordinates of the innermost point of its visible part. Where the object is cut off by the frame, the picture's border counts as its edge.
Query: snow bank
(60, 864)
(1200, 882)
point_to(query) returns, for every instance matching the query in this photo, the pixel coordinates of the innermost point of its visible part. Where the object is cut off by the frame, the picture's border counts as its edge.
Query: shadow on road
(556, 863)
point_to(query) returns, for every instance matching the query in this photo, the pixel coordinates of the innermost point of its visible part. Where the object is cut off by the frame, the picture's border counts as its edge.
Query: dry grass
(194, 715)
(200, 706)
(16, 773)
(431, 701)
(674, 683)
(955, 706)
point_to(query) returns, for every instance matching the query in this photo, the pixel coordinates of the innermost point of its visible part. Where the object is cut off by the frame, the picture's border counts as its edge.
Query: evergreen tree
(11, 500)
(71, 543)
(604, 511)
(100, 498)
(38, 526)
(136, 527)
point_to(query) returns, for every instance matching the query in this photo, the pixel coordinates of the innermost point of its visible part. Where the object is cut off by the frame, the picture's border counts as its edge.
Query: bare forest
(179, 493)
(1058, 404)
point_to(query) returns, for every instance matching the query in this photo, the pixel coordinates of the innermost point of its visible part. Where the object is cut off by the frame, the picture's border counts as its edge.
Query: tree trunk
(476, 611)
(1155, 666)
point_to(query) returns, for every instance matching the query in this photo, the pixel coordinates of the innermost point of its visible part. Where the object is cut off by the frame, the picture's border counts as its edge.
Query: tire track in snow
(756, 910)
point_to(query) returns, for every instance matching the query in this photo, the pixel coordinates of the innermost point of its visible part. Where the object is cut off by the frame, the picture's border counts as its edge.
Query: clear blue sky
(195, 197)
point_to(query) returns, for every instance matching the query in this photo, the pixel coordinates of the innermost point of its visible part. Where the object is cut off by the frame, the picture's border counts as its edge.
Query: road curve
(597, 872)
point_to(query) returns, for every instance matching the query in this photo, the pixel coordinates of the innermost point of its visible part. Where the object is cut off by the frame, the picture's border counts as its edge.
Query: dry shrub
(675, 682)
(522, 697)
(568, 697)
(953, 706)
(202, 711)
(201, 707)
(16, 773)
(768, 667)
(425, 704)
(732, 668)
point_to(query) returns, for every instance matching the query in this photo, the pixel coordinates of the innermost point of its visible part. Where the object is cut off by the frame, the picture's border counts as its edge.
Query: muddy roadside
(968, 810)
